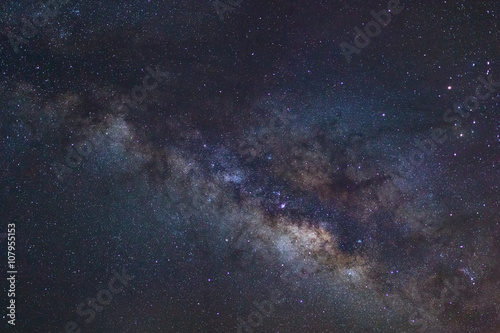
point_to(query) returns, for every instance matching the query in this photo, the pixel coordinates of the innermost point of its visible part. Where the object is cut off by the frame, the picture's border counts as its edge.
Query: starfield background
(250, 166)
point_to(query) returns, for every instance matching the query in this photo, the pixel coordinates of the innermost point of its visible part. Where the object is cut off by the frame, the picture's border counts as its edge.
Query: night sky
(250, 166)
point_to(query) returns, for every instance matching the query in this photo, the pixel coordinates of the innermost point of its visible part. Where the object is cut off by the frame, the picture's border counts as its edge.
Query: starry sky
(251, 166)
